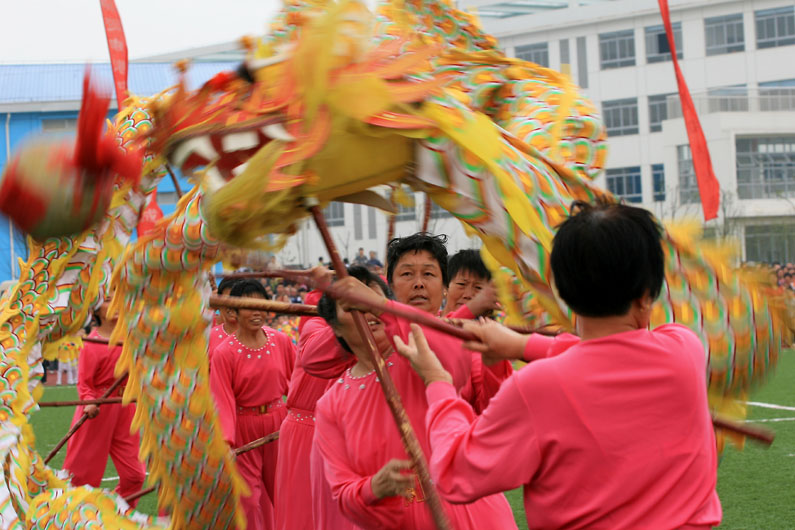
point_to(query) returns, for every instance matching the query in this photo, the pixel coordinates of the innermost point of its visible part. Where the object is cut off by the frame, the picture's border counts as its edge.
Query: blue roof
(33, 83)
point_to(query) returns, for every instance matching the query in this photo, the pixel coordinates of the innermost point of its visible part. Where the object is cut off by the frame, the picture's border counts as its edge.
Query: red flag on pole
(708, 186)
(117, 46)
(150, 215)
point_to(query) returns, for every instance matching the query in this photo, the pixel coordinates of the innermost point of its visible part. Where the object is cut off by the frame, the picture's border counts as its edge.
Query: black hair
(416, 243)
(605, 256)
(246, 287)
(467, 261)
(327, 306)
(226, 283)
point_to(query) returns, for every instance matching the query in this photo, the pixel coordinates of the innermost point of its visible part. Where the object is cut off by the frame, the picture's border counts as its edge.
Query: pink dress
(108, 433)
(612, 432)
(248, 385)
(356, 435)
(294, 504)
(217, 335)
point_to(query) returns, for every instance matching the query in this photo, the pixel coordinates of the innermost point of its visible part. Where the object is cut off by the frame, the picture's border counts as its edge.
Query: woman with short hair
(610, 429)
(364, 461)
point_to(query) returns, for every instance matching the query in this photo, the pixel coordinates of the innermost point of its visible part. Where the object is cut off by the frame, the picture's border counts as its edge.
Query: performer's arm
(466, 449)
(86, 369)
(221, 374)
(320, 352)
(352, 492)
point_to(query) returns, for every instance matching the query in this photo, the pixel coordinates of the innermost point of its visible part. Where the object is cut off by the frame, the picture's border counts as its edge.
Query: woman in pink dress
(107, 432)
(364, 461)
(610, 429)
(294, 506)
(228, 322)
(250, 374)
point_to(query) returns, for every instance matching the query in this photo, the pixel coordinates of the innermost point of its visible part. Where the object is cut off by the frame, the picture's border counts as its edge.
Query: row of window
(724, 34)
(765, 168)
(335, 216)
(625, 182)
(621, 115)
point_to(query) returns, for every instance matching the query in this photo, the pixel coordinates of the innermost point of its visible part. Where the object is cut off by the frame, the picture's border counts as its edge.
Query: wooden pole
(274, 273)
(174, 179)
(100, 401)
(240, 450)
(758, 434)
(82, 420)
(426, 215)
(409, 438)
(240, 302)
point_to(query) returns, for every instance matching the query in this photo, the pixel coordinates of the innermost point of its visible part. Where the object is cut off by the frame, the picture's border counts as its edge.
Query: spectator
(374, 262)
(360, 258)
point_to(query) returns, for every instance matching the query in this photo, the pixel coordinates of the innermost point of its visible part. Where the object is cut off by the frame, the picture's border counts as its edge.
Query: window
(407, 213)
(625, 183)
(724, 34)
(334, 214)
(658, 111)
(688, 185)
(728, 99)
(769, 243)
(621, 116)
(59, 125)
(657, 48)
(617, 49)
(437, 212)
(535, 53)
(765, 167)
(775, 27)
(658, 182)
(564, 52)
(777, 95)
(371, 224)
(358, 229)
(582, 63)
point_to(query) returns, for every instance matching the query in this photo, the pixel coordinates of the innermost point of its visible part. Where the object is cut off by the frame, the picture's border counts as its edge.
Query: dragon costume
(334, 101)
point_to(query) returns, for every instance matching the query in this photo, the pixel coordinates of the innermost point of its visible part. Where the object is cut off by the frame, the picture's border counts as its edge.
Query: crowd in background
(785, 275)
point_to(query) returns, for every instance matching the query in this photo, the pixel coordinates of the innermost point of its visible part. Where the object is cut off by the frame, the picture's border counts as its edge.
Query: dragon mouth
(226, 151)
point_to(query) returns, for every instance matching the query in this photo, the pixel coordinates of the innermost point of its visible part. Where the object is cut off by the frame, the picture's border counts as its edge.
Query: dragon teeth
(276, 131)
(201, 145)
(214, 179)
(239, 169)
(240, 141)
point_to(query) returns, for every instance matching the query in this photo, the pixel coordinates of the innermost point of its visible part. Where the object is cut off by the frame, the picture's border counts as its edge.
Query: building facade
(736, 57)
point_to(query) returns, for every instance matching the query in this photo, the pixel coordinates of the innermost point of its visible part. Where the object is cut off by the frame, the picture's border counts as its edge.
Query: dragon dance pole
(426, 215)
(83, 419)
(240, 450)
(100, 401)
(409, 438)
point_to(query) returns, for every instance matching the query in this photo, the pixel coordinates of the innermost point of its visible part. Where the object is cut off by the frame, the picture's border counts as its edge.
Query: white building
(738, 58)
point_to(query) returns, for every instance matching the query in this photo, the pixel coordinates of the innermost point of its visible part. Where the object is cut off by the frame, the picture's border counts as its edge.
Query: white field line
(107, 479)
(769, 420)
(769, 405)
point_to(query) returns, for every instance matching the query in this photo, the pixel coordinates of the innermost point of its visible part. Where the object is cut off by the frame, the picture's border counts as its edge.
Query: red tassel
(89, 126)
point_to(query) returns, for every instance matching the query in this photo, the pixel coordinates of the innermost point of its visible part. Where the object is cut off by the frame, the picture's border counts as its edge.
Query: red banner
(117, 46)
(150, 215)
(708, 186)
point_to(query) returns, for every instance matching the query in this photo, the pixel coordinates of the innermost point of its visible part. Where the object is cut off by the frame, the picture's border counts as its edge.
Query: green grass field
(756, 485)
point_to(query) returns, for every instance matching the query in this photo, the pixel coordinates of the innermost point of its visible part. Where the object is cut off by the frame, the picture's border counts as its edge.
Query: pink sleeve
(320, 352)
(541, 346)
(291, 353)
(351, 491)
(451, 352)
(466, 449)
(491, 379)
(86, 370)
(462, 312)
(221, 375)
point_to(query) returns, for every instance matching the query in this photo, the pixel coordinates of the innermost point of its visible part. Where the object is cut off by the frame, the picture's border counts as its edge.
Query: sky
(57, 31)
